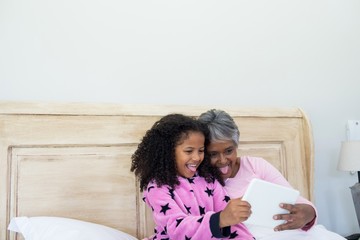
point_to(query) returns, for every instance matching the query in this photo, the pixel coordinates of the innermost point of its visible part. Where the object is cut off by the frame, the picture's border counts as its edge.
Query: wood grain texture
(73, 159)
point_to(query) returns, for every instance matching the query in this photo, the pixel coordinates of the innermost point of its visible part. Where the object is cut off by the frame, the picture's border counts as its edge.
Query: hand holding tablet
(264, 198)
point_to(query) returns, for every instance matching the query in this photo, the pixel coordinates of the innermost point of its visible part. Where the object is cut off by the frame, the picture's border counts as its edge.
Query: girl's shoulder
(154, 186)
(196, 180)
(187, 184)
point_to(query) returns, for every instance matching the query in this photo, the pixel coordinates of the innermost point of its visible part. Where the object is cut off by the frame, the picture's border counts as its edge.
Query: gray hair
(221, 125)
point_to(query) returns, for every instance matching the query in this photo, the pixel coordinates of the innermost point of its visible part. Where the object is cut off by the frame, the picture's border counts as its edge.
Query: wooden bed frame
(73, 159)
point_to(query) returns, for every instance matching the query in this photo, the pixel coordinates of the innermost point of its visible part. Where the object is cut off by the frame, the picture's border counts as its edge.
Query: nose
(197, 156)
(222, 158)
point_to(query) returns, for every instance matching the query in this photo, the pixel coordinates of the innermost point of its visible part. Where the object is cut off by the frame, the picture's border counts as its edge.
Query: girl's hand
(235, 212)
(299, 215)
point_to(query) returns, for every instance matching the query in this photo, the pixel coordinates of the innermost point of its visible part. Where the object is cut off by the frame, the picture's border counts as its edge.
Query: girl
(181, 187)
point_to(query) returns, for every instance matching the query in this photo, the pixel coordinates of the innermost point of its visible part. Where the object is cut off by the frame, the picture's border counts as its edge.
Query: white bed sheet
(317, 232)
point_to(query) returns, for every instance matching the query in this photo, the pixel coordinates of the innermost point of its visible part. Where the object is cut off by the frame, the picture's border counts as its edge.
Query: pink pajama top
(255, 167)
(191, 210)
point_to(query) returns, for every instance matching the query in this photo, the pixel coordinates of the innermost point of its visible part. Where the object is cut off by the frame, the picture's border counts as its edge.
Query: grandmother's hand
(299, 215)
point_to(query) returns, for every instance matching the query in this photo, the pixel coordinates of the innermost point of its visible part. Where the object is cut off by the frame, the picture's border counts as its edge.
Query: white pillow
(56, 228)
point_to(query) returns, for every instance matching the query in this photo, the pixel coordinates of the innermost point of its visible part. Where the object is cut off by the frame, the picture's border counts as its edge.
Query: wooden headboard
(72, 159)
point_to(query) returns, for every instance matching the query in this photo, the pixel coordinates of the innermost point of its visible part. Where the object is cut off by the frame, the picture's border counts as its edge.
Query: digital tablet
(264, 198)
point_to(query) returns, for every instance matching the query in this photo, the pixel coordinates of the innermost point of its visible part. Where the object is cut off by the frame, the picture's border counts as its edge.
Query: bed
(72, 160)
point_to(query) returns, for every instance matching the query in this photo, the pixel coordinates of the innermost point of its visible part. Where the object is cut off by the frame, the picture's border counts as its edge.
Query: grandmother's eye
(229, 151)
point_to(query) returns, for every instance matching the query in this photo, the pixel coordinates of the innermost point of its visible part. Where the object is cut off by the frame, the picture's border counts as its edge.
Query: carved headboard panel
(73, 159)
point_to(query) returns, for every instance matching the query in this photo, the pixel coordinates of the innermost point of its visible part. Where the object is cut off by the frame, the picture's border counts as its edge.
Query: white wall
(249, 53)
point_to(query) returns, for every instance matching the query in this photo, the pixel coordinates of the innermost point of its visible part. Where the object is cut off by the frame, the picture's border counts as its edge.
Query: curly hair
(154, 159)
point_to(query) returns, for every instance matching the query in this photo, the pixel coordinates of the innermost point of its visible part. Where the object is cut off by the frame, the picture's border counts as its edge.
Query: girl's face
(189, 154)
(223, 155)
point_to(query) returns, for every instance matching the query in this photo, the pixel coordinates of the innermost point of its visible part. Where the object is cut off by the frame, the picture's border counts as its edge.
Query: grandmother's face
(223, 155)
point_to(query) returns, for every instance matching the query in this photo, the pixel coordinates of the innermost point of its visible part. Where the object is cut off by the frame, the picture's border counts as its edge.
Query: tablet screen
(264, 198)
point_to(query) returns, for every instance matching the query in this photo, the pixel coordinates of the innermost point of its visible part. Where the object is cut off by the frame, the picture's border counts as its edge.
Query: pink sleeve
(191, 210)
(169, 213)
(220, 197)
